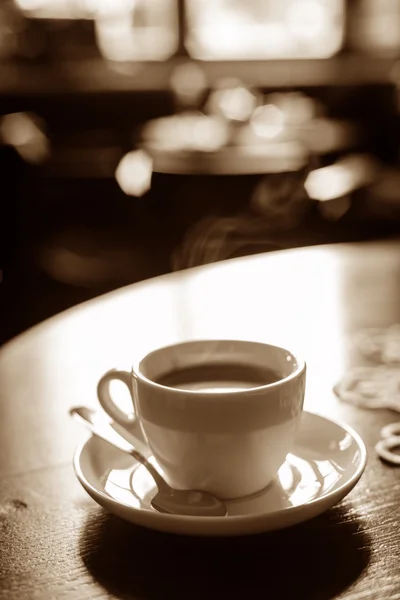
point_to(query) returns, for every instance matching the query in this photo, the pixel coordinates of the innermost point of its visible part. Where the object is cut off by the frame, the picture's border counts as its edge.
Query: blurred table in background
(136, 138)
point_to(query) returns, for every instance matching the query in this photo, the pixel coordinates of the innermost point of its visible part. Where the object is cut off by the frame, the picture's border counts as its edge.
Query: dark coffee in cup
(214, 377)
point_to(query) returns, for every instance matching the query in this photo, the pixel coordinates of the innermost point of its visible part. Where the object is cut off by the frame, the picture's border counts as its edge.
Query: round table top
(55, 542)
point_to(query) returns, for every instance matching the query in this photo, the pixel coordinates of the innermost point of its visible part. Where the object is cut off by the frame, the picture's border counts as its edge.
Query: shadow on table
(318, 559)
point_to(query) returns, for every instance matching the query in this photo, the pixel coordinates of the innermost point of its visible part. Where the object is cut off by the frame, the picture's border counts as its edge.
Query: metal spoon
(168, 500)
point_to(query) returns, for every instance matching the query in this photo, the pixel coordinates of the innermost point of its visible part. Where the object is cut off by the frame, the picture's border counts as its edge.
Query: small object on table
(375, 387)
(382, 345)
(390, 439)
(371, 387)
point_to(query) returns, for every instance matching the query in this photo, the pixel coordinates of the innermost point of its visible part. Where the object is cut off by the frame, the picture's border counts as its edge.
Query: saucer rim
(339, 492)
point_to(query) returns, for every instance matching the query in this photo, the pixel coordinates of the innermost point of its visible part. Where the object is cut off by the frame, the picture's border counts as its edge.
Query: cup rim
(301, 367)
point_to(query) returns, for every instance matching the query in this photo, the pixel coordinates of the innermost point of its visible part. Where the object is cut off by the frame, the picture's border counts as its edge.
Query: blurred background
(139, 137)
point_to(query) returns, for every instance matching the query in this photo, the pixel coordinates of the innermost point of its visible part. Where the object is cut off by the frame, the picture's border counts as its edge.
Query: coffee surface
(220, 377)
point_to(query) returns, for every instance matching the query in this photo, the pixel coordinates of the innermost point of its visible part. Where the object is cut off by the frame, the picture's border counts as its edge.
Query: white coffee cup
(228, 438)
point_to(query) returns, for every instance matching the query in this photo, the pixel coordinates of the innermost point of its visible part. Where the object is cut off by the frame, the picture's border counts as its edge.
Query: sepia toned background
(139, 137)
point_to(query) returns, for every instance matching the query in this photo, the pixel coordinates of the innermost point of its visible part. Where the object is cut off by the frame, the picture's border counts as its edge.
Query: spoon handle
(161, 484)
(102, 429)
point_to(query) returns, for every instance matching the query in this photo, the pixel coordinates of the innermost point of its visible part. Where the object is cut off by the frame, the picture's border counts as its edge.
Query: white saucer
(327, 461)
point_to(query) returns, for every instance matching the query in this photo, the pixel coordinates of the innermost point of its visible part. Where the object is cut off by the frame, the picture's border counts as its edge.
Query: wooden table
(56, 543)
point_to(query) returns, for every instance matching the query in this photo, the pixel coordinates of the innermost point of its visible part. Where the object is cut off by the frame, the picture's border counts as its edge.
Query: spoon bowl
(167, 499)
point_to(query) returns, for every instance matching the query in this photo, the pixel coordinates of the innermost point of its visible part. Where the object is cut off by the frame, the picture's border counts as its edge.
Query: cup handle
(106, 401)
